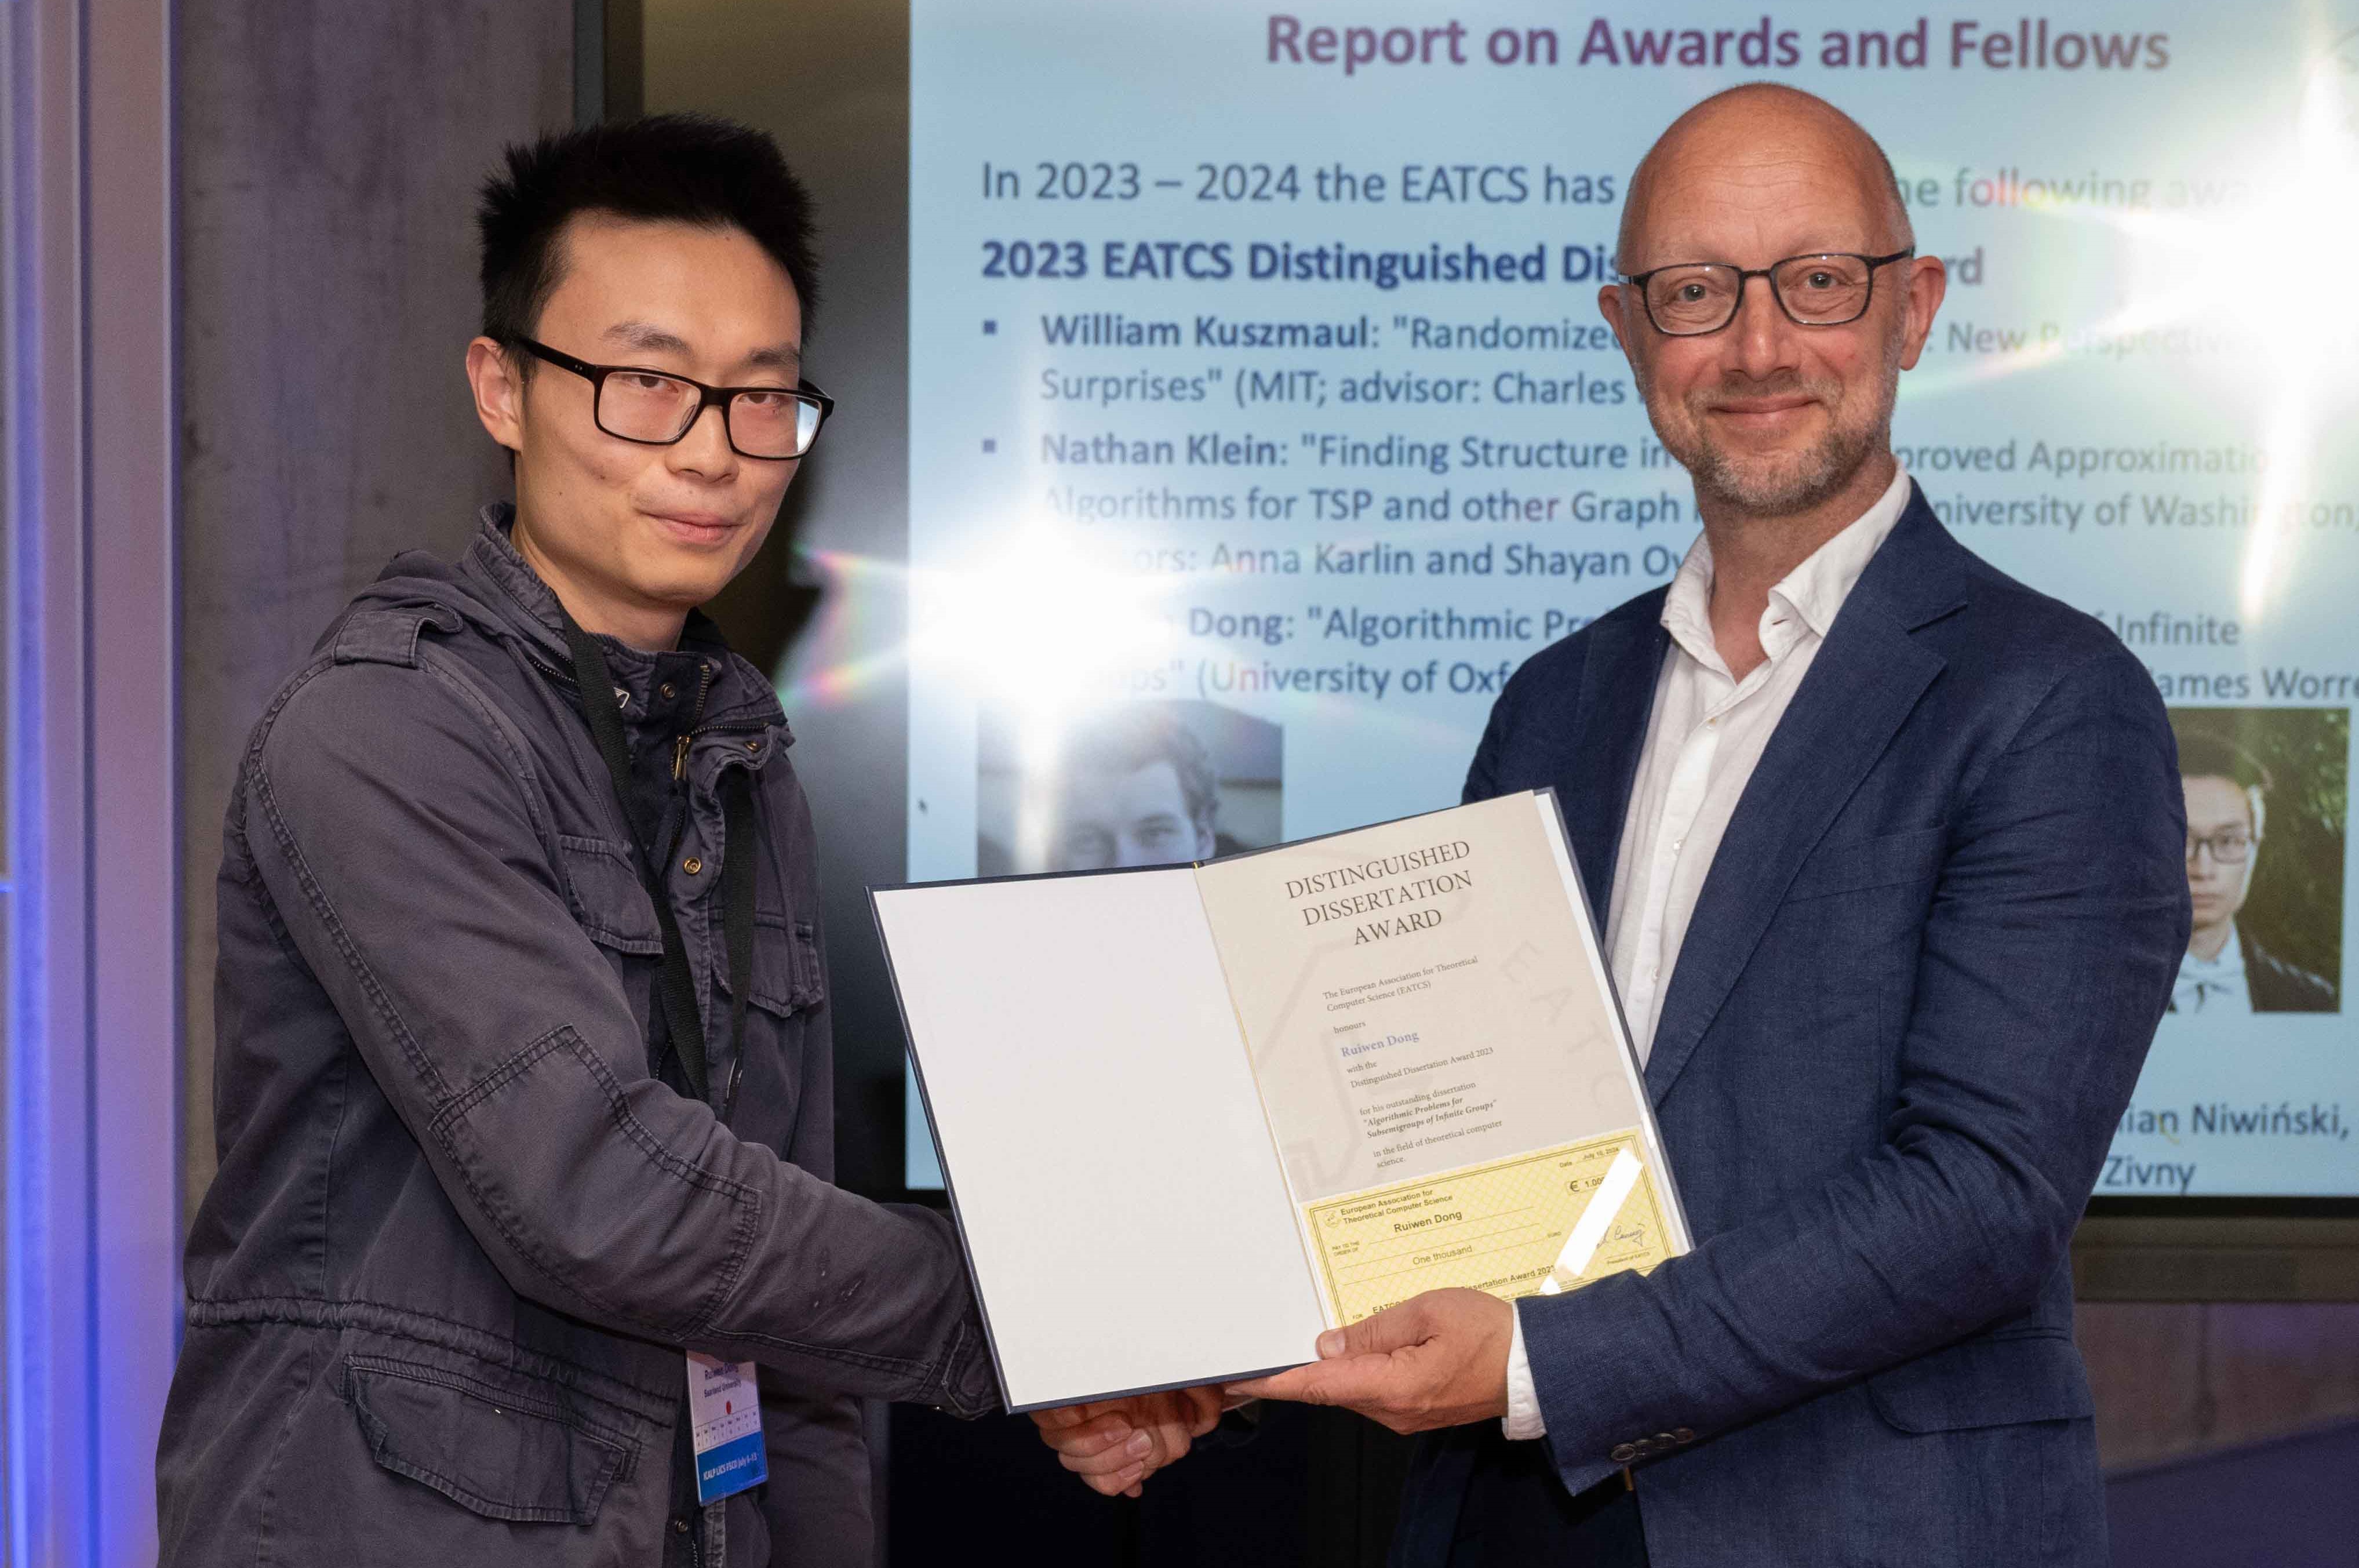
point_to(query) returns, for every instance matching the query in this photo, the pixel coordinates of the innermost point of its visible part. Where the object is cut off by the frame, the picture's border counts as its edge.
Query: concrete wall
(329, 158)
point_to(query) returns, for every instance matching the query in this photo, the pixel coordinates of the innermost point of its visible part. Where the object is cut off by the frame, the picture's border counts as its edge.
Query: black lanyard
(678, 988)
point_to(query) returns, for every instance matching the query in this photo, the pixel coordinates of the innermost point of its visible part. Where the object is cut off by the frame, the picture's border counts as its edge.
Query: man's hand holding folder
(1115, 1444)
(1436, 1360)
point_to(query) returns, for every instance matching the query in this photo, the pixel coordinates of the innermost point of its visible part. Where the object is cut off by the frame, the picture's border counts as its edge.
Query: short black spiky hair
(691, 169)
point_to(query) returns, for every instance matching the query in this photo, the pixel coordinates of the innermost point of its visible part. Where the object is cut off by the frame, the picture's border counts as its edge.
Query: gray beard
(1802, 481)
(1790, 485)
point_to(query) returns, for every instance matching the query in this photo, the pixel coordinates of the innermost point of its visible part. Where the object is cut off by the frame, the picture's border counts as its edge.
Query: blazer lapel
(1866, 679)
(1616, 700)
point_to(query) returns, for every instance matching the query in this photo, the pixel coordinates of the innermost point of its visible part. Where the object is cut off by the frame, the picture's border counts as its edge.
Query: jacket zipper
(704, 691)
(680, 775)
(720, 726)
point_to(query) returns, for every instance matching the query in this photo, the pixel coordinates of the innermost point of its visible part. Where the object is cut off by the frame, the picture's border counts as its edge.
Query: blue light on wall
(88, 896)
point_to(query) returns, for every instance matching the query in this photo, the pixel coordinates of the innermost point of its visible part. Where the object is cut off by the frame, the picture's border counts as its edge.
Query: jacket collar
(738, 689)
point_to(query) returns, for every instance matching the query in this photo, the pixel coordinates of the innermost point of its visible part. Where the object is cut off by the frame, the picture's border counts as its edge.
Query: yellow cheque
(1502, 1227)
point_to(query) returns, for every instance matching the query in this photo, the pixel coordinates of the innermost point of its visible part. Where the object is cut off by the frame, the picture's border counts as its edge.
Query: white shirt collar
(1812, 593)
(2199, 979)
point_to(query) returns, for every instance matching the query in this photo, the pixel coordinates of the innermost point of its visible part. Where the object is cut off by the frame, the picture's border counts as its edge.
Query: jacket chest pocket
(787, 980)
(607, 899)
(785, 996)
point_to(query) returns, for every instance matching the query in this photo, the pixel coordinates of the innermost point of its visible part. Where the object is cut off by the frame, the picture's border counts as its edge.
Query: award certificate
(1190, 1117)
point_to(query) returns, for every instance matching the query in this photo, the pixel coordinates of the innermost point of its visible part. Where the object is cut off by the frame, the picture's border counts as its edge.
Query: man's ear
(1929, 282)
(498, 385)
(1609, 305)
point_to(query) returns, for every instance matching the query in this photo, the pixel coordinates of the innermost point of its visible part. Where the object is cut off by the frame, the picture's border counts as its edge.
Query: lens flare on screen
(2266, 281)
(2310, 229)
(1043, 627)
(854, 594)
(1041, 623)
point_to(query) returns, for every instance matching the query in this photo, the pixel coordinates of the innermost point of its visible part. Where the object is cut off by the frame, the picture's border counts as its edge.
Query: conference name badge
(724, 1425)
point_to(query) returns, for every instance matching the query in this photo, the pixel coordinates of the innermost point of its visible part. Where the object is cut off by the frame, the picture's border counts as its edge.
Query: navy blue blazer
(1920, 982)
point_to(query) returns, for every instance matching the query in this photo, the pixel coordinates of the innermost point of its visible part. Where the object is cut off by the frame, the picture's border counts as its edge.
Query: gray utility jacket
(439, 1292)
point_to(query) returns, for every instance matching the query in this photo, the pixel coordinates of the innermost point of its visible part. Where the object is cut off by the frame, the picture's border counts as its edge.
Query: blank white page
(1114, 1176)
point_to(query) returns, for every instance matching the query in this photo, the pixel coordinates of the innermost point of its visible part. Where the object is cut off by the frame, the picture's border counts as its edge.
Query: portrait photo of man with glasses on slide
(2227, 969)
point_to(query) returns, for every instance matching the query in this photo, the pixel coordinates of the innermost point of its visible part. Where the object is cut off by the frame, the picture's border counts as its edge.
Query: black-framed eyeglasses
(1689, 299)
(2229, 846)
(656, 407)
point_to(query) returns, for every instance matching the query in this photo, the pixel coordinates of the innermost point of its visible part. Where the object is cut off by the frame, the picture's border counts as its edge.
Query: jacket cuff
(1607, 1402)
(970, 1385)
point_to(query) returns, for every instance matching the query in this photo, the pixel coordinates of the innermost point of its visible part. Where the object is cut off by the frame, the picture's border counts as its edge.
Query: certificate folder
(1189, 1117)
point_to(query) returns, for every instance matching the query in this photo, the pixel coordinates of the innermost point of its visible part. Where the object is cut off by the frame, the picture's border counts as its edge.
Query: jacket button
(679, 1527)
(1665, 1440)
(1623, 1453)
(691, 866)
(753, 745)
(668, 690)
(1684, 1434)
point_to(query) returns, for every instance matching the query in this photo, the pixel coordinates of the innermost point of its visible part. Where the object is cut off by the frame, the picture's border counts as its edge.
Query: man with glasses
(523, 1248)
(1883, 844)
(2224, 970)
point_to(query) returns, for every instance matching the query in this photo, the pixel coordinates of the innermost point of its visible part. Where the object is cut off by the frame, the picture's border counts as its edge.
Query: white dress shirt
(2216, 985)
(1705, 738)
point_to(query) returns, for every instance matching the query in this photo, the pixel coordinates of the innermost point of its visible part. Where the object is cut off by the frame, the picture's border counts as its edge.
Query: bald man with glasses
(1885, 843)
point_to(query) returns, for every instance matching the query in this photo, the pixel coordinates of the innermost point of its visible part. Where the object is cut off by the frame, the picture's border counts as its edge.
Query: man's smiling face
(1771, 417)
(632, 537)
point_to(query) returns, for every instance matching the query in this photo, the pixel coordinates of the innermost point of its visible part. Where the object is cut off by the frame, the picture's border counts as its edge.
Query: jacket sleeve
(2045, 963)
(396, 831)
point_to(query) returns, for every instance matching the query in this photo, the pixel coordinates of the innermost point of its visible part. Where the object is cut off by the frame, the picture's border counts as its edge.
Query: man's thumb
(1394, 1328)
